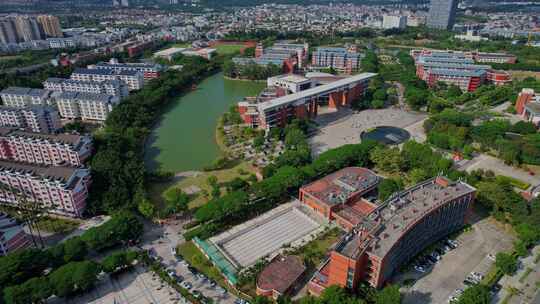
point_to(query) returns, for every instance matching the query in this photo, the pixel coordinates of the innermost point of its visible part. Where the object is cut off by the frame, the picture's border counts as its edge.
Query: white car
(419, 269)
(492, 257)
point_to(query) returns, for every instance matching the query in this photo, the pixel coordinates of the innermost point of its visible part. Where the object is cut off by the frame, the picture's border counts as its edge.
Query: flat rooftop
(314, 91)
(245, 244)
(338, 187)
(405, 208)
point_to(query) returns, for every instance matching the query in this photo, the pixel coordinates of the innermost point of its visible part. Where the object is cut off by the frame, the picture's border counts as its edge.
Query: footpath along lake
(184, 137)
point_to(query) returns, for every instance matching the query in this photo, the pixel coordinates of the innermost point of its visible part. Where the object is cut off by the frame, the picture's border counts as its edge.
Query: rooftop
(24, 91)
(281, 273)
(339, 186)
(314, 91)
(403, 209)
(63, 138)
(62, 174)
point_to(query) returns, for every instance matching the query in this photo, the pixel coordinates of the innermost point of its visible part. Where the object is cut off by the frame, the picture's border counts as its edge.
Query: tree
(387, 159)
(146, 208)
(477, 294)
(387, 187)
(177, 200)
(388, 295)
(74, 277)
(507, 263)
(75, 249)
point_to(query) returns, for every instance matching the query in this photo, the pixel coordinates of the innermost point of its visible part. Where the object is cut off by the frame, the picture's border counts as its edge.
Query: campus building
(391, 233)
(44, 149)
(442, 14)
(61, 190)
(23, 97)
(337, 197)
(528, 106)
(149, 71)
(109, 87)
(457, 68)
(291, 83)
(340, 59)
(274, 108)
(86, 106)
(36, 119)
(12, 235)
(288, 56)
(133, 79)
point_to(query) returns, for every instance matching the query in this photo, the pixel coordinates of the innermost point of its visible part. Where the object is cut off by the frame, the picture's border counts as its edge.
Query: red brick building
(338, 196)
(394, 232)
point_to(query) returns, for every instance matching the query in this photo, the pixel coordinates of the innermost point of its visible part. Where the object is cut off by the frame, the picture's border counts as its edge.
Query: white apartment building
(86, 106)
(61, 190)
(109, 87)
(38, 119)
(134, 80)
(22, 97)
(44, 149)
(393, 21)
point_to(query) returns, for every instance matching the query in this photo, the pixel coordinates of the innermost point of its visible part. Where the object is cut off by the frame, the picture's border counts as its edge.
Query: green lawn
(514, 182)
(157, 191)
(227, 49)
(182, 45)
(195, 258)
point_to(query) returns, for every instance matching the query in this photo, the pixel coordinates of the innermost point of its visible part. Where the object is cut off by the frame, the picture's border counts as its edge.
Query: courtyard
(344, 126)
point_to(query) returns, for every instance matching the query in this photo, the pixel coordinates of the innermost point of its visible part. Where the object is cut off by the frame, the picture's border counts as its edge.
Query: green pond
(184, 137)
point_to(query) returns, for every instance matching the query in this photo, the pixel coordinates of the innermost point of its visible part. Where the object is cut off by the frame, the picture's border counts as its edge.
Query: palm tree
(28, 209)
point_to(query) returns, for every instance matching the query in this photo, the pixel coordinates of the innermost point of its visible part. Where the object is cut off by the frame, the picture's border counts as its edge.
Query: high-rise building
(51, 25)
(28, 29)
(442, 14)
(8, 31)
(124, 3)
(392, 21)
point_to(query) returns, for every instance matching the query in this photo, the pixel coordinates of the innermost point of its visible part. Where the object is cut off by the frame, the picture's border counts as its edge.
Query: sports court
(244, 244)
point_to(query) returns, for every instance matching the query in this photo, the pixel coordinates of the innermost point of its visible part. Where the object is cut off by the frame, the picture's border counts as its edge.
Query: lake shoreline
(185, 135)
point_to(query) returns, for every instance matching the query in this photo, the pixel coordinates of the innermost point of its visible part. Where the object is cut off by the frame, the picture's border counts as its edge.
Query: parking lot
(439, 282)
(138, 286)
(160, 240)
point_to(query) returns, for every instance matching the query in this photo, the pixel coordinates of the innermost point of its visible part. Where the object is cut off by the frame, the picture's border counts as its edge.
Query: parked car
(193, 270)
(187, 285)
(213, 283)
(179, 278)
(492, 257)
(419, 268)
(201, 277)
(196, 294)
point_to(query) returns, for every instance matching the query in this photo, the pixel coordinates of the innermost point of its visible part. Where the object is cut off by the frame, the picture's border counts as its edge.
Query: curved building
(393, 233)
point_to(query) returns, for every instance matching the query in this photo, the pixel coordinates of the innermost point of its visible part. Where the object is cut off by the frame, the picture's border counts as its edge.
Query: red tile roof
(281, 273)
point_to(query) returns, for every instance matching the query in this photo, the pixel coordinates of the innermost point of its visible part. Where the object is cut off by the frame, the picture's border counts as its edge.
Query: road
(161, 239)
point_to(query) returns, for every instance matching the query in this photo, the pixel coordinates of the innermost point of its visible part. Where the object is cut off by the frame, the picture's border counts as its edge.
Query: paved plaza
(344, 126)
(244, 244)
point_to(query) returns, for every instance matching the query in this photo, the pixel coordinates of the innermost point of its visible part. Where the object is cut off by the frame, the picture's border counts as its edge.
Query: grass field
(182, 45)
(226, 49)
(195, 258)
(157, 191)
(524, 74)
(514, 182)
